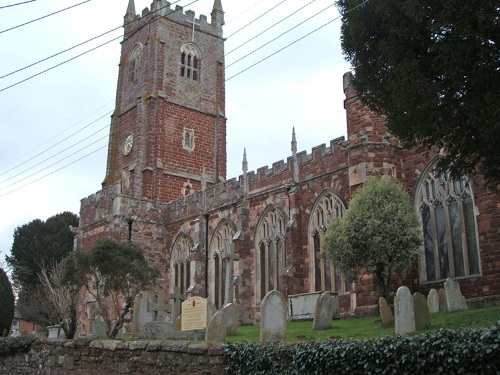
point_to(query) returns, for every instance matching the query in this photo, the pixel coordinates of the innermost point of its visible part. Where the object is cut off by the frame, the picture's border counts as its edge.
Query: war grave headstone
(386, 315)
(433, 301)
(273, 317)
(404, 311)
(454, 299)
(421, 312)
(216, 330)
(194, 315)
(443, 306)
(230, 313)
(327, 306)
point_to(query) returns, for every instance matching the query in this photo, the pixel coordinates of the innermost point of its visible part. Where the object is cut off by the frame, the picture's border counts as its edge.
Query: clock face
(127, 144)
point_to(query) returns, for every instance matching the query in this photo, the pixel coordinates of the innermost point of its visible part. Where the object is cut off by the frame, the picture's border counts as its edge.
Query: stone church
(166, 185)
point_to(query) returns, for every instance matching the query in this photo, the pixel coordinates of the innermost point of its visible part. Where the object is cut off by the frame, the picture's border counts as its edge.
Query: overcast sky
(55, 125)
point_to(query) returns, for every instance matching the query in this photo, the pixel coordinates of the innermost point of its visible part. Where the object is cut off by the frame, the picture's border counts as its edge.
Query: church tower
(169, 120)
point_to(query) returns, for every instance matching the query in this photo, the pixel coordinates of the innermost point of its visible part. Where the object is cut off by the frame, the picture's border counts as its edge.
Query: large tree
(433, 68)
(6, 304)
(379, 233)
(39, 243)
(36, 245)
(114, 273)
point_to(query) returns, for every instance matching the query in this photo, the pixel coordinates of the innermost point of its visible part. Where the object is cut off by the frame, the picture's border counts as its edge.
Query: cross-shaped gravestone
(194, 24)
(158, 307)
(229, 256)
(178, 297)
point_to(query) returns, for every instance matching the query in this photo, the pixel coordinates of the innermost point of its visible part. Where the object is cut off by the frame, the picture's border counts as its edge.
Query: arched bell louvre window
(446, 209)
(190, 62)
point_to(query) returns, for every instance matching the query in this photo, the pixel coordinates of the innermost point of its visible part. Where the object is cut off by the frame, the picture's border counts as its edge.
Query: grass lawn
(370, 327)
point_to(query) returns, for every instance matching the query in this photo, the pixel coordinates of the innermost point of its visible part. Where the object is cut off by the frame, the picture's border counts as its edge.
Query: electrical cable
(13, 5)
(41, 18)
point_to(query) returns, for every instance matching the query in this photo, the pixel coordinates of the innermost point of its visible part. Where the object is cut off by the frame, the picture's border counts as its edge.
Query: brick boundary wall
(109, 357)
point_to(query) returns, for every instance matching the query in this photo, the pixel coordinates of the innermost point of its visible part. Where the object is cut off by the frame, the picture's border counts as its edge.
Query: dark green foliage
(40, 243)
(380, 233)
(111, 270)
(433, 68)
(6, 303)
(13, 345)
(441, 352)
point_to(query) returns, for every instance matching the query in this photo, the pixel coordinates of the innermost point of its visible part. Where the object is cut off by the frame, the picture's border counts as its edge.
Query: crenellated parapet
(162, 9)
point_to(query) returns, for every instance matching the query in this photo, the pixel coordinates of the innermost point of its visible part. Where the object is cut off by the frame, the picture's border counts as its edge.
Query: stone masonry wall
(59, 357)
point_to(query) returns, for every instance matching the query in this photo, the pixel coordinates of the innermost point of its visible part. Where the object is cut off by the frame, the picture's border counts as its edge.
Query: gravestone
(302, 306)
(164, 331)
(194, 314)
(433, 301)
(386, 315)
(216, 330)
(273, 317)
(229, 256)
(422, 316)
(177, 298)
(230, 313)
(157, 307)
(443, 306)
(98, 327)
(454, 298)
(55, 331)
(327, 306)
(404, 311)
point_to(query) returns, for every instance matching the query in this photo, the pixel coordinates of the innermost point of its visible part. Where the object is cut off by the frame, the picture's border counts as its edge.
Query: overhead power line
(41, 18)
(13, 5)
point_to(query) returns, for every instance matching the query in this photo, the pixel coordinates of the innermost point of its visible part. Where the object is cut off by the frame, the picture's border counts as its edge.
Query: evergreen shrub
(440, 352)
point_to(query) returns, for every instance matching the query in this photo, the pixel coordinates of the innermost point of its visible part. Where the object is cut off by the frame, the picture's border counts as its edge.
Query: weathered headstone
(386, 315)
(302, 306)
(422, 316)
(216, 330)
(55, 331)
(454, 298)
(164, 331)
(433, 301)
(157, 307)
(229, 256)
(177, 298)
(404, 311)
(98, 327)
(273, 317)
(443, 306)
(327, 306)
(230, 313)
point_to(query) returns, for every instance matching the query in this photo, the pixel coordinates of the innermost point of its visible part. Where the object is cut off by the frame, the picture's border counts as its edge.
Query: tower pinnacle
(217, 14)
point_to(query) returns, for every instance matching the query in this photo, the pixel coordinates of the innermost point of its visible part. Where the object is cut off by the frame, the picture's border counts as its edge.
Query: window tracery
(190, 62)
(180, 263)
(446, 209)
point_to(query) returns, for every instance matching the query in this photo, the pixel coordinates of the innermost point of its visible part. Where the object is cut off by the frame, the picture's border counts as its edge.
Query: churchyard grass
(370, 327)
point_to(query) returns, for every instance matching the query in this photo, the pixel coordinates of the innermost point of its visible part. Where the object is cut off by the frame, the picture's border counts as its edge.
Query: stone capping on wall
(113, 357)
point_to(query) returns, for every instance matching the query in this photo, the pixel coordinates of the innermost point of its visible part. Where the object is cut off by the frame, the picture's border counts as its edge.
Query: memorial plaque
(194, 314)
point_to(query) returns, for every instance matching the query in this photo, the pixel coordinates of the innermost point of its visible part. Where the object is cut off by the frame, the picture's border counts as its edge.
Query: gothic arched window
(446, 209)
(135, 61)
(217, 266)
(190, 62)
(270, 250)
(180, 263)
(328, 207)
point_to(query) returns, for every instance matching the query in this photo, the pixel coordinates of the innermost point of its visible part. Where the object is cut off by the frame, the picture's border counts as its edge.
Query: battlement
(161, 9)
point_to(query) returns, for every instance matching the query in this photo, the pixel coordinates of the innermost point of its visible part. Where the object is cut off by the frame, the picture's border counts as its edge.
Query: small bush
(440, 352)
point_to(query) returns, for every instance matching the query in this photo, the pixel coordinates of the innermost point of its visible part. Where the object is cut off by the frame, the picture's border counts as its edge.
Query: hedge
(440, 352)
